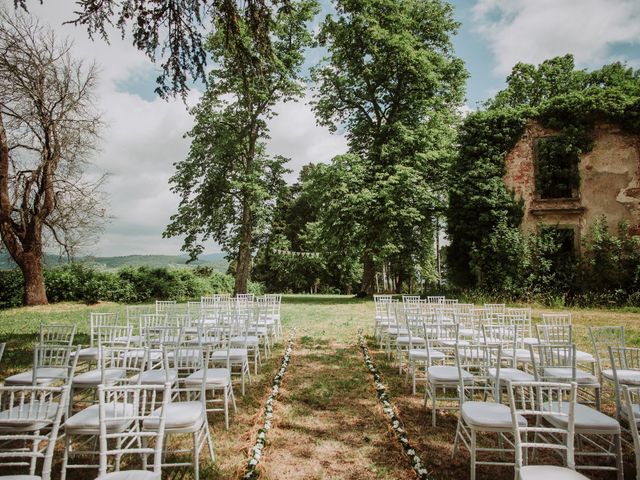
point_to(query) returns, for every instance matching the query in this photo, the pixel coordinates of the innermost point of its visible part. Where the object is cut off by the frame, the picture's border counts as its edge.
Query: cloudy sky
(144, 134)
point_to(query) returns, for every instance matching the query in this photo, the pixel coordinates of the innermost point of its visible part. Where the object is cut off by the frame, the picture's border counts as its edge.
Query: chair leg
(34, 460)
(473, 455)
(225, 392)
(619, 459)
(433, 405)
(65, 456)
(455, 441)
(196, 456)
(144, 455)
(233, 398)
(209, 441)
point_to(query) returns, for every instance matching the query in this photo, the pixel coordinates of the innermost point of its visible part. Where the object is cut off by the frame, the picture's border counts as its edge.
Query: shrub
(11, 289)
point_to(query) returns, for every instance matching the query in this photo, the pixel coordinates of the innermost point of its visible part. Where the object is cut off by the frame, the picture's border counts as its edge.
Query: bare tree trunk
(34, 290)
(243, 268)
(368, 274)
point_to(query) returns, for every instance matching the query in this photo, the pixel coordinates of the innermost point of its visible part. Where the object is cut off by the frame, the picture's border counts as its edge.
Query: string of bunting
(261, 438)
(392, 416)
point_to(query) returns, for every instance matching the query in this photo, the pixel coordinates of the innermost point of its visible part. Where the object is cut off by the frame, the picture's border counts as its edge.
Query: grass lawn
(327, 422)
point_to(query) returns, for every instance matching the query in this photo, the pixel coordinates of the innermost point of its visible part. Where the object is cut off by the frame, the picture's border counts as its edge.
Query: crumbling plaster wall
(609, 181)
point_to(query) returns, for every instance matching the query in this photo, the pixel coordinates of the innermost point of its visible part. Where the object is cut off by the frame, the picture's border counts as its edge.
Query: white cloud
(534, 30)
(295, 135)
(143, 138)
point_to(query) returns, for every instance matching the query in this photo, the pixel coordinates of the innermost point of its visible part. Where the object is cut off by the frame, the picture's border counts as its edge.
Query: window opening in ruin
(556, 168)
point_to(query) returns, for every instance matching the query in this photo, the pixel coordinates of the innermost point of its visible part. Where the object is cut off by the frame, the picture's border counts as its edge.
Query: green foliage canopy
(392, 82)
(228, 184)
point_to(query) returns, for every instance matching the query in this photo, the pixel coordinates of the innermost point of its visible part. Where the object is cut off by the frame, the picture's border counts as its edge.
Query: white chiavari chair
(29, 425)
(539, 402)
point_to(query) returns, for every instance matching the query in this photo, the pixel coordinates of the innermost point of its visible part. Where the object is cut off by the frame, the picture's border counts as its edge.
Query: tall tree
(172, 30)
(48, 129)
(228, 184)
(392, 81)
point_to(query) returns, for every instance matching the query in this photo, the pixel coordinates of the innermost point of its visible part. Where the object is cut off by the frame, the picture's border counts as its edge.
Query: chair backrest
(520, 318)
(553, 362)
(536, 403)
(494, 308)
(435, 299)
(133, 312)
(99, 320)
(554, 334)
(164, 306)
(131, 360)
(186, 360)
(464, 307)
(122, 409)
(193, 309)
(604, 337)
(54, 362)
(410, 299)
(110, 335)
(483, 362)
(31, 415)
(2, 347)
(157, 337)
(624, 358)
(57, 334)
(561, 318)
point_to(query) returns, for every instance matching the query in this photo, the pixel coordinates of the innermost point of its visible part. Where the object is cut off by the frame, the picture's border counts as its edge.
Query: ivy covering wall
(482, 213)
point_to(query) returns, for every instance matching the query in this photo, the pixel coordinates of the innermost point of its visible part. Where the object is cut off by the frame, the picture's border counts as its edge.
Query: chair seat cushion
(28, 417)
(154, 354)
(453, 343)
(215, 376)
(95, 377)
(489, 415)
(564, 374)
(131, 475)
(180, 415)
(87, 420)
(44, 375)
(549, 472)
(249, 340)
(627, 377)
(467, 332)
(156, 377)
(397, 331)
(259, 331)
(421, 354)
(512, 374)
(408, 340)
(587, 419)
(585, 357)
(87, 354)
(522, 354)
(446, 374)
(235, 354)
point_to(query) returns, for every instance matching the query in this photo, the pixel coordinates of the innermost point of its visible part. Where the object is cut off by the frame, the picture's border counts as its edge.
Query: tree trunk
(368, 274)
(34, 290)
(243, 268)
(399, 281)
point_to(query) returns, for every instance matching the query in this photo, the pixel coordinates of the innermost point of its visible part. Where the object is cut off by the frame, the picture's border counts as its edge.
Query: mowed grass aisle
(327, 422)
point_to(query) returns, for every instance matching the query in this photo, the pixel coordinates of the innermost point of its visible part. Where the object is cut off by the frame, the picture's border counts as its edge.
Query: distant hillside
(214, 260)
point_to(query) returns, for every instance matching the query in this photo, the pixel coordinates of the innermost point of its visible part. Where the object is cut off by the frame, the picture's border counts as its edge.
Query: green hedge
(77, 282)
